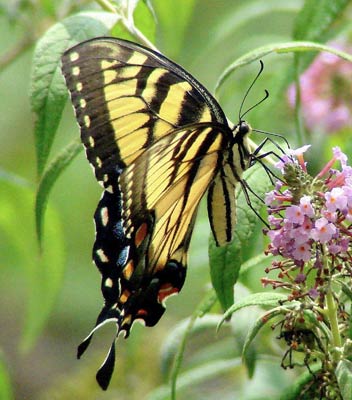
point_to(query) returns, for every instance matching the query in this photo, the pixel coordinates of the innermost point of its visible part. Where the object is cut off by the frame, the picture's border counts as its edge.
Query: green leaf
(43, 273)
(6, 392)
(48, 91)
(345, 288)
(316, 18)
(226, 261)
(298, 390)
(196, 376)
(250, 359)
(256, 299)
(278, 48)
(49, 177)
(344, 378)
(254, 330)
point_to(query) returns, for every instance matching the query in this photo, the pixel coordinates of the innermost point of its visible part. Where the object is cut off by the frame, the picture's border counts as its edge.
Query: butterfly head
(241, 131)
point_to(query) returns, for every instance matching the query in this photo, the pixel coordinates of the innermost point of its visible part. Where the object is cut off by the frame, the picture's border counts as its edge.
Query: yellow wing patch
(170, 180)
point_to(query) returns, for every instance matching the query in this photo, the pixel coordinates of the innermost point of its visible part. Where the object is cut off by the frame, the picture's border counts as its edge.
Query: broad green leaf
(42, 273)
(279, 48)
(48, 179)
(175, 14)
(344, 378)
(48, 92)
(196, 376)
(6, 392)
(257, 299)
(226, 261)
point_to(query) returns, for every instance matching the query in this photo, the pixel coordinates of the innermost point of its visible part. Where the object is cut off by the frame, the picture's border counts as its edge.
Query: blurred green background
(204, 39)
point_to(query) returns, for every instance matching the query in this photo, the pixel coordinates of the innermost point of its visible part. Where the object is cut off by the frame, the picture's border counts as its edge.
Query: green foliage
(344, 378)
(197, 376)
(215, 42)
(48, 179)
(316, 19)
(6, 392)
(175, 37)
(256, 299)
(42, 272)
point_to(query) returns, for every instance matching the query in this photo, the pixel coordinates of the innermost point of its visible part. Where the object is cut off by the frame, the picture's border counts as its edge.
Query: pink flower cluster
(319, 217)
(315, 224)
(326, 93)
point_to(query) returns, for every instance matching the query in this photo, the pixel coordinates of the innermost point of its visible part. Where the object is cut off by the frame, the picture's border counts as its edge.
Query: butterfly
(157, 141)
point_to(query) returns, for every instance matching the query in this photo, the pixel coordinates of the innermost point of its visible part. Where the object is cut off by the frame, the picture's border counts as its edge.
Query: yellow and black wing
(126, 97)
(157, 140)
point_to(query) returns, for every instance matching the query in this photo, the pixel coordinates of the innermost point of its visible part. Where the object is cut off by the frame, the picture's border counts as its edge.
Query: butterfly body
(157, 141)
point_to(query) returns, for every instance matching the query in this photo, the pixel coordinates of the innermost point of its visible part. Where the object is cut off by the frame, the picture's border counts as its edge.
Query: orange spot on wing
(165, 291)
(141, 312)
(127, 320)
(141, 233)
(124, 296)
(128, 270)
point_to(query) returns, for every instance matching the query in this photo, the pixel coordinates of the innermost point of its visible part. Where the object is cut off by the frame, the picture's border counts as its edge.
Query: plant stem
(106, 5)
(332, 316)
(298, 120)
(207, 302)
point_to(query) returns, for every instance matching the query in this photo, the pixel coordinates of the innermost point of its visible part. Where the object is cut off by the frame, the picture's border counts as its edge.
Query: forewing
(126, 97)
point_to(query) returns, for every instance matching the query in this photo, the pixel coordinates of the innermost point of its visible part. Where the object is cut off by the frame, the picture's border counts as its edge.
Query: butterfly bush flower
(326, 92)
(310, 232)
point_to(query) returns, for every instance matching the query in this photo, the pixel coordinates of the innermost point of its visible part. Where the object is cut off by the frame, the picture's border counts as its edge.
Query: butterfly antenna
(282, 137)
(256, 104)
(240, 115)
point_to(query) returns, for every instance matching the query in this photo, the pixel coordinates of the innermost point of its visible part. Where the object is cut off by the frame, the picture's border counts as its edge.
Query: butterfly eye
(244, 128)
(241, 130)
